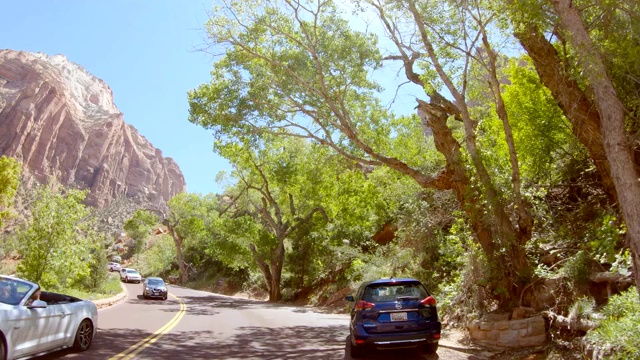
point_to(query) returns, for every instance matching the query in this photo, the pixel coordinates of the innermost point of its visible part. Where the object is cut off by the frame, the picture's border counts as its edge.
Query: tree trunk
(525, 220)
(277, 262)
(264, 268)
(574, 103)
(177, 239)
(612, 115)
(513, 265)
(502, 242)
(560, 321)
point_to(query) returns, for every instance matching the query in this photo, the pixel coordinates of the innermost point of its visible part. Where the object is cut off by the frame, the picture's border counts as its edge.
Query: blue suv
(393, 313)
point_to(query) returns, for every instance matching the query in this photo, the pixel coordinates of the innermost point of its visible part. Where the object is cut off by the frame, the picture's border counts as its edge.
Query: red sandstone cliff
(61, 122)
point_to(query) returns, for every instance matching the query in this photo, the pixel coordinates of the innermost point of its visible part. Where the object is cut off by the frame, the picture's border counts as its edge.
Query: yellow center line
(146, 342)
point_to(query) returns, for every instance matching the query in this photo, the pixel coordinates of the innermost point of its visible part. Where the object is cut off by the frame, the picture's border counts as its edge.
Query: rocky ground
(553, 350)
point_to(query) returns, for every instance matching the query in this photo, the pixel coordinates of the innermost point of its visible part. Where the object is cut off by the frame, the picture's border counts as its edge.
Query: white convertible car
(30, 326)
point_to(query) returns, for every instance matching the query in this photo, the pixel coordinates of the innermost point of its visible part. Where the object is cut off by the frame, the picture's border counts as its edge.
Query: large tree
(448, 46)
(297, 69)
(53, 246)
(586, 54)
(138, 228)
(612, 111)
(270, 177)
(186, 220)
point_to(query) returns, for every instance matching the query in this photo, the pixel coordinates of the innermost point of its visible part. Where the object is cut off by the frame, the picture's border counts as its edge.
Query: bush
(110, 287)
(466, 294)
(97, 262)
(577, 269)
(159, 259)
(619, 333)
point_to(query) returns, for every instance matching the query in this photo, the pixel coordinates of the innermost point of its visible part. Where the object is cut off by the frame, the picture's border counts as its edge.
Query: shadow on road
(297, 342)
(106, 344)
(300, 342)
(249, 342)
(210, 305)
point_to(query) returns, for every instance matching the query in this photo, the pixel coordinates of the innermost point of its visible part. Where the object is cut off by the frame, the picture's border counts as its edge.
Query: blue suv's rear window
(376, 293)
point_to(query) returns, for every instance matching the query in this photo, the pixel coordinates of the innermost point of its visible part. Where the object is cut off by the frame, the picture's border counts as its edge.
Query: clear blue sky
(145, 51)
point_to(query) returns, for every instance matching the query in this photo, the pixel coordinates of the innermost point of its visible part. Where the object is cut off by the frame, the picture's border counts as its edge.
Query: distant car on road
(113, 266)
(130, 275)
(37, 322)
(154, 287)
(393, 313)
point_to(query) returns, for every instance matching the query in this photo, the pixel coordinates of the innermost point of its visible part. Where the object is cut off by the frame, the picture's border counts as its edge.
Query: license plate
(399, 316)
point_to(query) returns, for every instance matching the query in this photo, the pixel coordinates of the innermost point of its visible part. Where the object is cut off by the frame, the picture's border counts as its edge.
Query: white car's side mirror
(37, 304)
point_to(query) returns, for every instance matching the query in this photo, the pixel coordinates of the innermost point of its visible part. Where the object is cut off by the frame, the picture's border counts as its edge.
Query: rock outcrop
(61, 122)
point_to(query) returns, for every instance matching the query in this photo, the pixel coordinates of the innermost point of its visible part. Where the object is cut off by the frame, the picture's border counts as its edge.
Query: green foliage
(190, 213)
(109, 287)
(606, 238)
(465, 295)
(427, 224)
(541, 132)
(9, 243)
(298, 71)
(619, 332)
(582, 309)
(97, 261)
(577, 268)
(542, 135)
(138, 228)
(226, 242)
(10, 170)
(622, 262)
(302, 72)
(615, 29)
(160, 259)
(53, 247)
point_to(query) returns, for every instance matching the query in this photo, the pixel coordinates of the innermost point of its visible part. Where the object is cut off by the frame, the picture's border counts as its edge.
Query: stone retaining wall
(509, 334)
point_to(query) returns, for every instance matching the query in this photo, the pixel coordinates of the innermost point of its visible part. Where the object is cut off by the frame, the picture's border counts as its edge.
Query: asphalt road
(200, 325)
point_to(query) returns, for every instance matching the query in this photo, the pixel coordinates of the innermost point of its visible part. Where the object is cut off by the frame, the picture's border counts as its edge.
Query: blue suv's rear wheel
(353, 350)
(430, 348)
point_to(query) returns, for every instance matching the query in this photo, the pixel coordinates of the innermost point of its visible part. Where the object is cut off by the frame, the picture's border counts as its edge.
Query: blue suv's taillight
(363, 305)
(429, 301)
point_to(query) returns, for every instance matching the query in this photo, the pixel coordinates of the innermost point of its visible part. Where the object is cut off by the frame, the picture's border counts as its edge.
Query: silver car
(113, 266)
(36, 322)
(130, 275)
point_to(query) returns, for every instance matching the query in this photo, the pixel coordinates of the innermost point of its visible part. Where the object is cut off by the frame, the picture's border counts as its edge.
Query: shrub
(619, 332)
(577, 269)
(97, 261)
(159, 259)
(466, 295)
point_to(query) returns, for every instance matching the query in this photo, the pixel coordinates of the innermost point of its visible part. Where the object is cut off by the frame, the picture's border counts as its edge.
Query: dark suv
(393, 313)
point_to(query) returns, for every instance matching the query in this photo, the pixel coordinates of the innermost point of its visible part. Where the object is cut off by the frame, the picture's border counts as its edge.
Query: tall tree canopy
(187, 220)
(299, 69)
(280, 184)
(54, 245)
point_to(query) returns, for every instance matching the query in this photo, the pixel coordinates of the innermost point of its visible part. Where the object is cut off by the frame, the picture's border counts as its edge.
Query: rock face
(61, 122)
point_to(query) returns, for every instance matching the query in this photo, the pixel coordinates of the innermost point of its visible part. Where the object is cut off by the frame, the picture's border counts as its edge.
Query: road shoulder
(105, 303)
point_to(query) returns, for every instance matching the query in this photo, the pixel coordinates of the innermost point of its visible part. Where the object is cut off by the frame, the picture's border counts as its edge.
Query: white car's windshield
(12, 291)
(129, 271)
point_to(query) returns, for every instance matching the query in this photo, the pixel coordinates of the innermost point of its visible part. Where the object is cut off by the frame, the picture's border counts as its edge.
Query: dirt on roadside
(553, 350)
